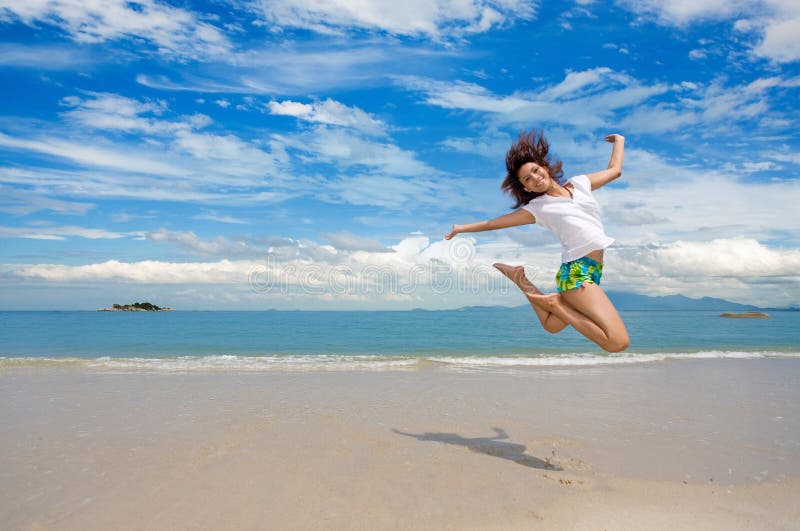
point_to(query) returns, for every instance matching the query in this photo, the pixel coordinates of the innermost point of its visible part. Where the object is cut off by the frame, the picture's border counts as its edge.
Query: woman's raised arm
(614, 170)
(519, 217)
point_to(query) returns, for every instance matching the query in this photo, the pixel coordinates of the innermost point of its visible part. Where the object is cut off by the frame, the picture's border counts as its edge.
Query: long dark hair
(529, 147)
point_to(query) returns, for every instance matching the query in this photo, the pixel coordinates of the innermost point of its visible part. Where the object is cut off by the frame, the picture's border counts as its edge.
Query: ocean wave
(593, 358)
(219, 363)
(331, 362)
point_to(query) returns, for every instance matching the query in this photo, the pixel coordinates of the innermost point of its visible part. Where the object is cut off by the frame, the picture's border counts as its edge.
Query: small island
(135, 307)
(746, 315)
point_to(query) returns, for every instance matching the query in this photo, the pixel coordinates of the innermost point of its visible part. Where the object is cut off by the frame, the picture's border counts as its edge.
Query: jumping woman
(572, 213)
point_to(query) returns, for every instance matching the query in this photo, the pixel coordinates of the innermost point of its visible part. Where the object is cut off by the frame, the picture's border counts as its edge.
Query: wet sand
(706, 444)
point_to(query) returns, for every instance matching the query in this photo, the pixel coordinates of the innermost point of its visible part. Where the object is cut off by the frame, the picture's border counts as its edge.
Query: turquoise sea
(305, 340)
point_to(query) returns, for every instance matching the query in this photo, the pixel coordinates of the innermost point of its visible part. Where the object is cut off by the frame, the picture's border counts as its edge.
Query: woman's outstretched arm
(614, 170)
(519, 217)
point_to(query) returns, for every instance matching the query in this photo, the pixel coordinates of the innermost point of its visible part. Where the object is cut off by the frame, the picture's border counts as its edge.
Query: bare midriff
(596, 255)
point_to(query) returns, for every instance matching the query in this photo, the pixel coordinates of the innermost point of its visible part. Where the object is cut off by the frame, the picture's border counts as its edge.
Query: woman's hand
(453, 232)
(614, 170)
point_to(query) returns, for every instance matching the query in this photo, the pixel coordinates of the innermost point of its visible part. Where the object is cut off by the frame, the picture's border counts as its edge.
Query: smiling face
(534, 178)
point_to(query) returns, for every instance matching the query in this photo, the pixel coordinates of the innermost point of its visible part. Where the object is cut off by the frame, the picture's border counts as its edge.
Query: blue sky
(312, 154)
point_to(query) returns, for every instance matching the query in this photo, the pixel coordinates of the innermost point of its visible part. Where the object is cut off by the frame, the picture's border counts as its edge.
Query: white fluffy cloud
(44, 232)
(301, 68)
(348, 241)
(414, 272)
(664, 201)
(440, 274)
(776, 22)
(347, 149)
(780, 42)
(112, 112)
(23, 201)
(739, 269)
(585, 99)
(170, 30)
(329, 112)
(145, 271)
(44, 57)
(741, 258)
(88, 154)
(430, 18)
(490, 144)
(598, 97)
(173, 158)
(686, 11)
(109, 113)
(97, 183)
(190, 242)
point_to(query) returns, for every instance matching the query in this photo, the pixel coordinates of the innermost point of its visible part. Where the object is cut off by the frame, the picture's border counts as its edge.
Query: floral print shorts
(572, 274)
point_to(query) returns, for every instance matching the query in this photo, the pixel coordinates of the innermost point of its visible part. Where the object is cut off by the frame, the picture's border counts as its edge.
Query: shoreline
(293, 362)
(709, 444)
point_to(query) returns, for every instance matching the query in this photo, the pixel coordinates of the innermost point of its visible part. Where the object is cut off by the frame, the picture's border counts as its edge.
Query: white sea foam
(589, 359)
(330, 362)
(220, 363)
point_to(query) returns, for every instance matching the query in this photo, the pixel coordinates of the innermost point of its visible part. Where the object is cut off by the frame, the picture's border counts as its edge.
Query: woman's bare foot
(514, 273)
(541, 303)
(550, 303)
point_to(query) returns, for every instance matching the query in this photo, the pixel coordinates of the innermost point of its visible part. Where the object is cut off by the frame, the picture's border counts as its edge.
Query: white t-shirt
(576, 220)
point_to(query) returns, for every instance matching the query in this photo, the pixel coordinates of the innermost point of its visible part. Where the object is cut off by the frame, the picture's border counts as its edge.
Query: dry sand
(674, 445)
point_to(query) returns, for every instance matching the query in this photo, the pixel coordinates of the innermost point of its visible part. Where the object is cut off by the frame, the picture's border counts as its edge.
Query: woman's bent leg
(590, 312)
(516, 274)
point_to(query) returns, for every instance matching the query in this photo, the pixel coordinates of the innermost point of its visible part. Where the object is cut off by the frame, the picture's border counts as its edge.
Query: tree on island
(137, 306)
(146, 306)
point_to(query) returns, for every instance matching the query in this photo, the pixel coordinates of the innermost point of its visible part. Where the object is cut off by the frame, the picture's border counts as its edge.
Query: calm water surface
(470, 333)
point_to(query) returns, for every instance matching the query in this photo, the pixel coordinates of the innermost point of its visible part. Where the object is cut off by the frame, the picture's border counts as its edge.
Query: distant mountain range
(635, 302)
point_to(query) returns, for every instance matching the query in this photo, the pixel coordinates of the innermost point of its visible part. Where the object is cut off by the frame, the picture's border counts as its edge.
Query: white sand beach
(702, 444)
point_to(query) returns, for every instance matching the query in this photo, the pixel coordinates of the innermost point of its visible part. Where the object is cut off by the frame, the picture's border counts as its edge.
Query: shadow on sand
(493, 446)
